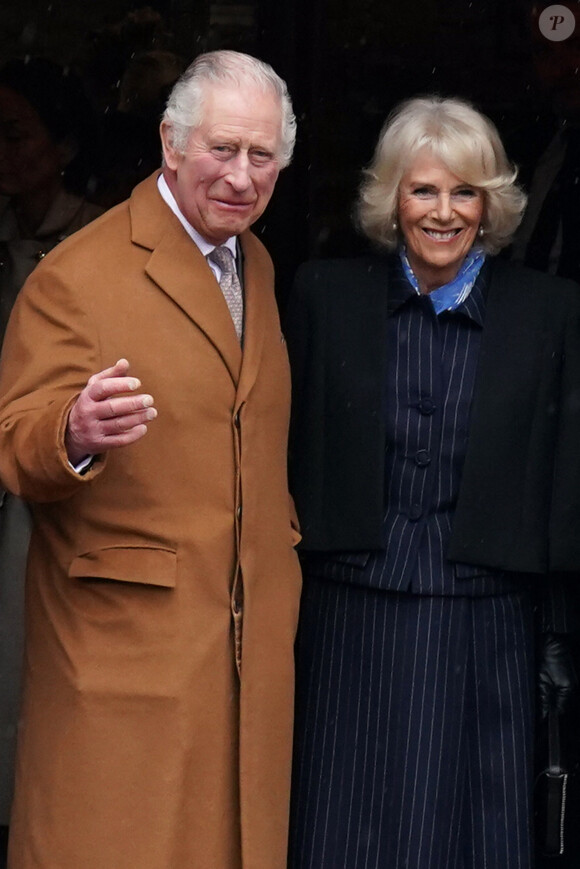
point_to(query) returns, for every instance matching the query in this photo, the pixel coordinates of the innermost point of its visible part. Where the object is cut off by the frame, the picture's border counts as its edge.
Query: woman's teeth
(441, 236)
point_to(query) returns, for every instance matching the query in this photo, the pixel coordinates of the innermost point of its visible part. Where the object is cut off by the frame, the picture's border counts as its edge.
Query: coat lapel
(258, 276)
(178, 268)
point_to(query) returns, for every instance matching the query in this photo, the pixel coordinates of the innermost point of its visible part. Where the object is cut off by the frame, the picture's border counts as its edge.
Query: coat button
(415, 512)
(422, 458)
(426, 406)
(239, 512)
(238, 415)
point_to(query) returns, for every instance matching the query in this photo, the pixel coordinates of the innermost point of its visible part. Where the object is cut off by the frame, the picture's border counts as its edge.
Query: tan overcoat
(157, 713)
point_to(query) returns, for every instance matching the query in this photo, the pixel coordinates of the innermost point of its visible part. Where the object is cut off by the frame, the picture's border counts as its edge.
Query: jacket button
(415, 512)
(422, 458)
(426, 406)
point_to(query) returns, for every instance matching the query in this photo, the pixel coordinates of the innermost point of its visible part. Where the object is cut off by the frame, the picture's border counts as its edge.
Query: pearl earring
(480, 231)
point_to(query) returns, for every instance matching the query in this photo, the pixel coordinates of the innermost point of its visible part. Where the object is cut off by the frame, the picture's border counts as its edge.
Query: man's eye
(222, 149)
(260, 157)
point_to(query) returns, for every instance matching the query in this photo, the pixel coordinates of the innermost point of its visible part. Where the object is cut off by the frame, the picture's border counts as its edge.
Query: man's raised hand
(105, 417)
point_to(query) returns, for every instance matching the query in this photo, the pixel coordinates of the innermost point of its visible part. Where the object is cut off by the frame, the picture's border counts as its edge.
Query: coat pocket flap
(147, 565)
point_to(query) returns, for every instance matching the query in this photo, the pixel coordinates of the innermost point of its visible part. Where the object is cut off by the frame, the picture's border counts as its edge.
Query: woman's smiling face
(439, 216)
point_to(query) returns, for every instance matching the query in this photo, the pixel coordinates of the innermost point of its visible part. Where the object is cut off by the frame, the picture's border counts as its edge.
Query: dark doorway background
(347, 64)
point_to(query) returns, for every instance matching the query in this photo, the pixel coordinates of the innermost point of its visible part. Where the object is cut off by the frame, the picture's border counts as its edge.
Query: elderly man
(144, 413)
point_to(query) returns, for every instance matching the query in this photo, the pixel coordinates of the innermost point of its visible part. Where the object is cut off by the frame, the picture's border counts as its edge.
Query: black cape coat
(519, 503)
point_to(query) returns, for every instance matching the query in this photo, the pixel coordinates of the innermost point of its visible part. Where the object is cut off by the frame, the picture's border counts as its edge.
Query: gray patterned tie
(230, 285)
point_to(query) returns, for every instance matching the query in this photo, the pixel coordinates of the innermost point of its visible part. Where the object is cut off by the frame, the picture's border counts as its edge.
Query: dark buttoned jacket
(519, 502)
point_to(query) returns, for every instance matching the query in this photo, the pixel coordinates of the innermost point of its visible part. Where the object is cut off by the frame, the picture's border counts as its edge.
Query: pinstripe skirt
(413, 745)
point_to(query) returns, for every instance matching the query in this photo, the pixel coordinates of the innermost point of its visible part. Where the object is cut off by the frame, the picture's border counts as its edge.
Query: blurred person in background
(130, 131)
(549, 235)
(46, 160)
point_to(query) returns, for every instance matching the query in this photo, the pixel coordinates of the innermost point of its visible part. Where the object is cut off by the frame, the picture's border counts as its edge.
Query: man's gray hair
(184, 110)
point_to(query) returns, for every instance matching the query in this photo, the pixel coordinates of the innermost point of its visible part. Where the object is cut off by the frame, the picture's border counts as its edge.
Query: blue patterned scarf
(451, 295)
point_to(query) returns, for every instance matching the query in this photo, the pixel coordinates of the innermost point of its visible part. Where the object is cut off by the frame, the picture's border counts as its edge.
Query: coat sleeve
(305, 392)
(558, 607)
(336, 331)
(49, 353)
(557, 603)
(565, 513)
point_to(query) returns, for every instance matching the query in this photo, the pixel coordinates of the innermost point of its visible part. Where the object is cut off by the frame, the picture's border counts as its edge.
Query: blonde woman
(436, 473)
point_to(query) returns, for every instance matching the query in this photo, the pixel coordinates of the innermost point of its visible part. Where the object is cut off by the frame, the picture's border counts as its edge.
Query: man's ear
(170, 155)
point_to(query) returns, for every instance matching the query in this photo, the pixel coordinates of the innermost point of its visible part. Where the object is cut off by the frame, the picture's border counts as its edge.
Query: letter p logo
(557, 23)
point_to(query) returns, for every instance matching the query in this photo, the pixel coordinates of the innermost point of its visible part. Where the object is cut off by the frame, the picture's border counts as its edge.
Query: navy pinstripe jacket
(519, 502)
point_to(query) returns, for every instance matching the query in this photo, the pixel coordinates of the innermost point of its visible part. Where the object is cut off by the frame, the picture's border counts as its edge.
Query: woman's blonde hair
(466, 142)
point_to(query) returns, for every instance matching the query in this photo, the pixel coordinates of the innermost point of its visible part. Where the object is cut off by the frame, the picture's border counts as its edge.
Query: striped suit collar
(401, 291)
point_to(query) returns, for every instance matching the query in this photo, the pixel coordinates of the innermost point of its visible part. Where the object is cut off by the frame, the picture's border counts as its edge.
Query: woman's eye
(423, 192)
(465, 193)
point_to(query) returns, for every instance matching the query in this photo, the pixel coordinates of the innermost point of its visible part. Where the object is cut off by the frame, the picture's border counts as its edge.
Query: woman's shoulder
(342, 278)
(323, 269)
(531, 282)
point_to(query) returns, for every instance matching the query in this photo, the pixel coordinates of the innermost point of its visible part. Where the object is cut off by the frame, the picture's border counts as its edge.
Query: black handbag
(551, 795)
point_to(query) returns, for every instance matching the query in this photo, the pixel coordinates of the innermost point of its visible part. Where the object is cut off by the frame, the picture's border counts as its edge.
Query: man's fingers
(121, 439)
(119, 407)
(120, 424)
(103, 388)
(119, 369)
(107, 413)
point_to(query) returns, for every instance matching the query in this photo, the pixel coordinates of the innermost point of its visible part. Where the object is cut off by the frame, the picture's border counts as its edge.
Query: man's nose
(239, 172)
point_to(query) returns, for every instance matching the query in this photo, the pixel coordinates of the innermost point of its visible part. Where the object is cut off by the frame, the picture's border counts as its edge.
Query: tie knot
(223, 257)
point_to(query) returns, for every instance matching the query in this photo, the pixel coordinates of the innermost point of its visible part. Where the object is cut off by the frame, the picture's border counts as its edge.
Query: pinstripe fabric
(431, 376)
(412, 732)
(413, 717)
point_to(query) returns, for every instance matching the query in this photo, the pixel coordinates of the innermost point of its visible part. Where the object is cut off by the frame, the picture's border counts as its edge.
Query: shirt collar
(401, 291)
(474, 305)
(449, 296)
(205, 246)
